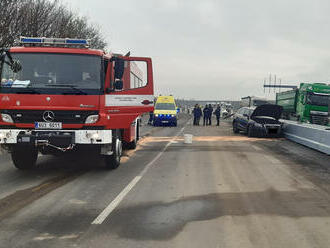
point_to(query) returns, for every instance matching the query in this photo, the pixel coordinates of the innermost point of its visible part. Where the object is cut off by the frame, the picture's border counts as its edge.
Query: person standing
(151, 117)
(217, 113)
(199, 114)
(205, 115)
(210, 114)
(195, 113)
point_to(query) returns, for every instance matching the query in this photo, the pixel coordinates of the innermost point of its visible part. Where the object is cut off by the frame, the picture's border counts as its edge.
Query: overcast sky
(218, 49)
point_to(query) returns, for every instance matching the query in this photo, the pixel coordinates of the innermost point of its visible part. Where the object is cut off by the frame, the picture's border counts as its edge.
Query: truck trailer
(308, 103)
(253, 101)
(58, 95)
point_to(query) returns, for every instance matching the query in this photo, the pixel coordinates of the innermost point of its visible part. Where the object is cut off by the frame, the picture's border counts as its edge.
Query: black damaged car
(261, 121)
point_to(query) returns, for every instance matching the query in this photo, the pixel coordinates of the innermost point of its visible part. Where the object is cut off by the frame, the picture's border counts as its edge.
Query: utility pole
(275, 86)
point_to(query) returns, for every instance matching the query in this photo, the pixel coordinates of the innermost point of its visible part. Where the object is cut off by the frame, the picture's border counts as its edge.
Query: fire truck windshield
(50, 73)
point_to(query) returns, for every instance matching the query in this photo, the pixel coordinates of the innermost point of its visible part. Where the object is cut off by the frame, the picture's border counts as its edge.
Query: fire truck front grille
(319, 119)
(64, 116)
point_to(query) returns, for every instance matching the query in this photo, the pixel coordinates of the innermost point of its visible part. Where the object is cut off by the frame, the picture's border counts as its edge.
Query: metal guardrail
(311, 135)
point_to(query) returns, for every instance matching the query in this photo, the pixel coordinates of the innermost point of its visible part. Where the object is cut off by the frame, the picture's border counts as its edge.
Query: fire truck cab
(58, 95)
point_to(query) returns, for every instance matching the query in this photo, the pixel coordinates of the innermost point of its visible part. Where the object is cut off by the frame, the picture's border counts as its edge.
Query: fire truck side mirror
(119, 68)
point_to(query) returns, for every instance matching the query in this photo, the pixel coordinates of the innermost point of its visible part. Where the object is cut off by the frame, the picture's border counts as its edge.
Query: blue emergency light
(30, 40)
(80, 42)
(53, 41)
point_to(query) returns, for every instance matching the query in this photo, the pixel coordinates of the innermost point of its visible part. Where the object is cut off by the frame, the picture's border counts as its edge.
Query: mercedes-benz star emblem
(48, 116)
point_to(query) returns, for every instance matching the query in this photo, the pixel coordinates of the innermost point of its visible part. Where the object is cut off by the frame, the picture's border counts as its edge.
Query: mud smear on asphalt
(68, 167)
(127, 154)
(57, 171)
(200, 148)
(22, 198)
(164, 220)
(209, 139)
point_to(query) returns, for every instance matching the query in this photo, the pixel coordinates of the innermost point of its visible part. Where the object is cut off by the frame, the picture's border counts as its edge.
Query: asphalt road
(223, 190)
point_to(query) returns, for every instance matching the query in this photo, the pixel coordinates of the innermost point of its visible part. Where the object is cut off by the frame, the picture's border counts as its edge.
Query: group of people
(207, 114)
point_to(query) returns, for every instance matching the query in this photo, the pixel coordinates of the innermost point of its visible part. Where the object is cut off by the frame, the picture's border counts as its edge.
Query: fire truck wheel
(113, 161)
(24, 158)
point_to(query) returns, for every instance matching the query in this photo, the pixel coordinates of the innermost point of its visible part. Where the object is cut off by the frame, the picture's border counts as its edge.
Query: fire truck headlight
(6, 118)
(92, 119)
(4, 135)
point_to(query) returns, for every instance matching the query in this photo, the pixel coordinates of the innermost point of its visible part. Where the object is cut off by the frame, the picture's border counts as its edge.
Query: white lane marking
(105, 213)
(109, 209)
(70, 236)
(44, 236)
(272, 159)
(256, 148)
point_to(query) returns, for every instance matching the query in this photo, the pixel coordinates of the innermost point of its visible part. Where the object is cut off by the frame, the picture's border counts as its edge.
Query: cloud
(212, 49)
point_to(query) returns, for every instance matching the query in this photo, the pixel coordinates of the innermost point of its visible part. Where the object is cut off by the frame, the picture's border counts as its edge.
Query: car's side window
(246, 112)
(241, 111)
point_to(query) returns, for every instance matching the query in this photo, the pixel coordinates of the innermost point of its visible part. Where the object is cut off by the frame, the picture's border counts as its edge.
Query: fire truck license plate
(48, 125)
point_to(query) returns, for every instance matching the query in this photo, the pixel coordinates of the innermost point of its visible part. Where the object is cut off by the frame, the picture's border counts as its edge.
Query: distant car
(261, 121)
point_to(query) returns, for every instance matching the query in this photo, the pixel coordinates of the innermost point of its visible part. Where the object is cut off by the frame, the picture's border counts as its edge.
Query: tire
(175, 123)
(235, 129)
(24, 157)
(113, 161)
(138, 130)
(250, 132)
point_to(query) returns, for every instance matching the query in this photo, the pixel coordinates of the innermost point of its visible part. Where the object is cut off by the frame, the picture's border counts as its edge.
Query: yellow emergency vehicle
(165, 111)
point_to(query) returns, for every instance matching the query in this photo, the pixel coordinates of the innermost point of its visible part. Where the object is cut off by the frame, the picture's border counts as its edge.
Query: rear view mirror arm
(14, 64)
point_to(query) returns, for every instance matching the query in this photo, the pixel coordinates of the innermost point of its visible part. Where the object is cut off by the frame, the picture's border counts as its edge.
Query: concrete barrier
(311, 135)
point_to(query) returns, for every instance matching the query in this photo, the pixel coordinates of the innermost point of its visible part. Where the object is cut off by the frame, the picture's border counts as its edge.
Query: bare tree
(44, 18)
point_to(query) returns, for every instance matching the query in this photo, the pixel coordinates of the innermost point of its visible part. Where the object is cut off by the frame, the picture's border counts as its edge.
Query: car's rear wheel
(235, 129)
(250, 131)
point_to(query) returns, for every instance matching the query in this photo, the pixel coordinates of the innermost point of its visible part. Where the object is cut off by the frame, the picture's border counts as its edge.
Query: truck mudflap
(55, 137)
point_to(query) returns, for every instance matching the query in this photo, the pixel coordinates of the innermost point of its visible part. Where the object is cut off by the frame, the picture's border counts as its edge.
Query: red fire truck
(58, 95)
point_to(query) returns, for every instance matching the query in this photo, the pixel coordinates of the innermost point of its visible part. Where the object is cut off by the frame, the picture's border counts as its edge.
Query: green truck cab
(308, 103)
